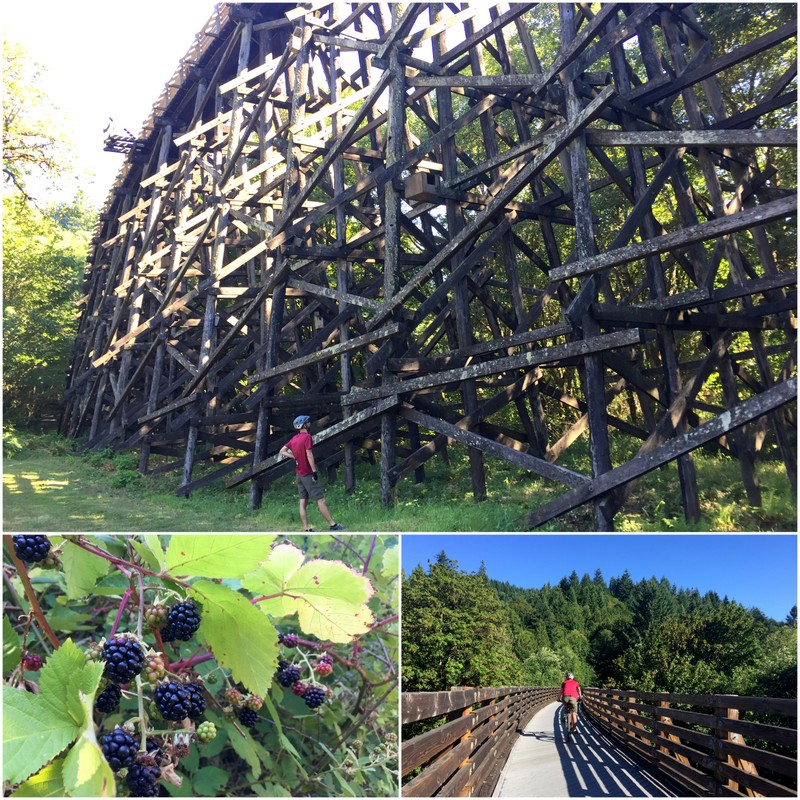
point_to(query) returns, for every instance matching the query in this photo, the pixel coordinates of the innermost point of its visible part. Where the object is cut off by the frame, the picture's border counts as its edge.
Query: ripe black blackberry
(154, 749)
(183, 619)
(314, 697)
(124, 659)
(197, 702)
(31, 548)
(247, 717)
(173, 701)
(142, 778)
(119, 749)
(289, 639)
(108, 700)
(289, 676)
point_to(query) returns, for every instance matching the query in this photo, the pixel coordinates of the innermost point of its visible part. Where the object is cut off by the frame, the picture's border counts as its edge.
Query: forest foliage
(465, 629)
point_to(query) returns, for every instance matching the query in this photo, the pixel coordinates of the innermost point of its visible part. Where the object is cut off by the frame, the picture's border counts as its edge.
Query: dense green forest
(465, 629)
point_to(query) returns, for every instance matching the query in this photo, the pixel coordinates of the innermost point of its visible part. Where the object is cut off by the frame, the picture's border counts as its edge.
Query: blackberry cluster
(314, 696)
(142, 778)
(108, 700)
(197, 703)
(119, 749)
(32, 662)
(124, 659)
(183, 619)
(289, 676)
(247, 717)
(173, 701)
(31, 548)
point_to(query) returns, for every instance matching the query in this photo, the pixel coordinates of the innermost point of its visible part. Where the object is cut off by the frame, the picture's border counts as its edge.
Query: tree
(32, 138)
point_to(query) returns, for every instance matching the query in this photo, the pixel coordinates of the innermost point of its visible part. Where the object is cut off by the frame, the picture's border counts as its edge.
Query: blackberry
(299, 688)
(156, 615)
(108, 700)
(124, 659)
(183, 619)
(154, 668)
(253, 702)
(323, 668)
(173, 701)
(206, 732)
(142, 778)
(196, 700)
(247, 717)
(314, 697)
(119, 749)
(32, 662)
(155, 750)
(31, 548)
(234, 696)
(284, 664)
(326, 658)
(289, 676)
(289, 639)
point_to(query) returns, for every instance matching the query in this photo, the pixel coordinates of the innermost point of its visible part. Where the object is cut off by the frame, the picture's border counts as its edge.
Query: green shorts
(308, 488)
(571, 703)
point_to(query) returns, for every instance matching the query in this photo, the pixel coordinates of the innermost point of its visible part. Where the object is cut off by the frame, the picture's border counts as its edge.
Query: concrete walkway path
(543, 764)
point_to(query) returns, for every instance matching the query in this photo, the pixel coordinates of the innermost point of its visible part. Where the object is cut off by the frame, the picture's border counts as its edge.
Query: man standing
(308, 485)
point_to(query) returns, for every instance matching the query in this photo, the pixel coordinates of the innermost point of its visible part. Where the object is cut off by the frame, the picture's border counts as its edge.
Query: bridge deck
(542, 764)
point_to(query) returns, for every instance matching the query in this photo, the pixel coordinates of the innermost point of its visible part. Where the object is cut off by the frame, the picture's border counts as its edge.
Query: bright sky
(755, 570)
(105, 60)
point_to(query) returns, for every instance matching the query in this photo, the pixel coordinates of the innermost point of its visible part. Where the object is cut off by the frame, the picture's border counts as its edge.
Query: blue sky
(755, 570)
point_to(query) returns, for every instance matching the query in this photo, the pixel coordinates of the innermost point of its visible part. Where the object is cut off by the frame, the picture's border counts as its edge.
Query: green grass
(47, 487)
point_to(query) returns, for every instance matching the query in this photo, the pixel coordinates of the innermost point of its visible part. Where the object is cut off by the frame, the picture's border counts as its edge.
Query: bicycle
(569, 730)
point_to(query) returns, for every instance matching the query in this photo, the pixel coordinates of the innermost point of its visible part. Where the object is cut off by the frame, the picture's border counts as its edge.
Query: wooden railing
(700, 742)
(464, 755)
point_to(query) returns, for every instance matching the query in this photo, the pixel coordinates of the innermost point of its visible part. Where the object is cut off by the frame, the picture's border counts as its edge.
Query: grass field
(48, 487)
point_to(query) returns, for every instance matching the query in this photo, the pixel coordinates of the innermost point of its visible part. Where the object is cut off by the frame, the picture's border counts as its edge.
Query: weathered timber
(344, 207)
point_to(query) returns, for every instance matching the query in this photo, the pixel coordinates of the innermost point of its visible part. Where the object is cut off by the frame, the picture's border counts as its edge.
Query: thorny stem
(369, 555)
(13, 592)
(36, 609)
(142, 724)
(123, 603)
(185, 663)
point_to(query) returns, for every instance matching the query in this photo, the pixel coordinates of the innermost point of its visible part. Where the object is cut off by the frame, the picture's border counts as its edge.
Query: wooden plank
(694, 138)
(757, 406)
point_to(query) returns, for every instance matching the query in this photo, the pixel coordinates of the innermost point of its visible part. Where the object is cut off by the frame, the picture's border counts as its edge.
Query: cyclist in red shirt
(570, 694)
(308, 485)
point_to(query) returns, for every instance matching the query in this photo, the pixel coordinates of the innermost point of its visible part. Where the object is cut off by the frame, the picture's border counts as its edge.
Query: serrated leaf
(208, 781)
(154, 545)
(86, 773)
(216, 555)
(12, 649)
(82, 570)
(329, 597)
(391, 562)
(243, 745)
(48, 782)
(242, 639)
(37, 727)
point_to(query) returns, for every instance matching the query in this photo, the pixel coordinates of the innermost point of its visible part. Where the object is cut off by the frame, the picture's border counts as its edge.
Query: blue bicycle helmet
(300, 421)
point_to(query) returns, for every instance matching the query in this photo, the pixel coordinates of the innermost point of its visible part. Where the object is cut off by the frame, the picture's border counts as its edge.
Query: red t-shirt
(570, 688)
(300, 444)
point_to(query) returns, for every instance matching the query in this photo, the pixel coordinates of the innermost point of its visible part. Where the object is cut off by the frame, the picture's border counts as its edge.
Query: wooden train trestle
(499, 225)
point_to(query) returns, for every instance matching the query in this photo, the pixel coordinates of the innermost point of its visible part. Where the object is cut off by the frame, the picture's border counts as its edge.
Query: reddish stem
(123, 603)
(369, 555)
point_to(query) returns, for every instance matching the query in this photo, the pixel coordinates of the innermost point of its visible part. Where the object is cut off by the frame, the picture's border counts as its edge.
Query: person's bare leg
(323, 509)
(304, 514)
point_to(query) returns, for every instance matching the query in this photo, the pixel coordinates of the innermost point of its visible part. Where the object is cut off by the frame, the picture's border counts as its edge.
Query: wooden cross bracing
(506, 226)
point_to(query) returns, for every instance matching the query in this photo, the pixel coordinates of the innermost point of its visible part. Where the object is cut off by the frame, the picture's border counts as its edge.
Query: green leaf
(216, 555)
(37, 727)
(391, 562)
(208, 781)
(86, 773)
(154, 545)
(82, 570)
(329, 597)
(242, 639)
(243, 745)
(12, 649)
(48, 782)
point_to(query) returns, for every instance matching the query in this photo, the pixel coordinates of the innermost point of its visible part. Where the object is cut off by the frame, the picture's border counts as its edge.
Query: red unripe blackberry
(173, 701)
(124, 659)
(142, 778)
(154, 668)
(119, 749)
(183, 619)
(314, 696)
(323, 668)
(234, 696)
(108, 700)
(289, 676)
(253, 703)
(31, 548)
(299, 688)
(289, 639)
(32, 662)
(247, 717)
(196, 700)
